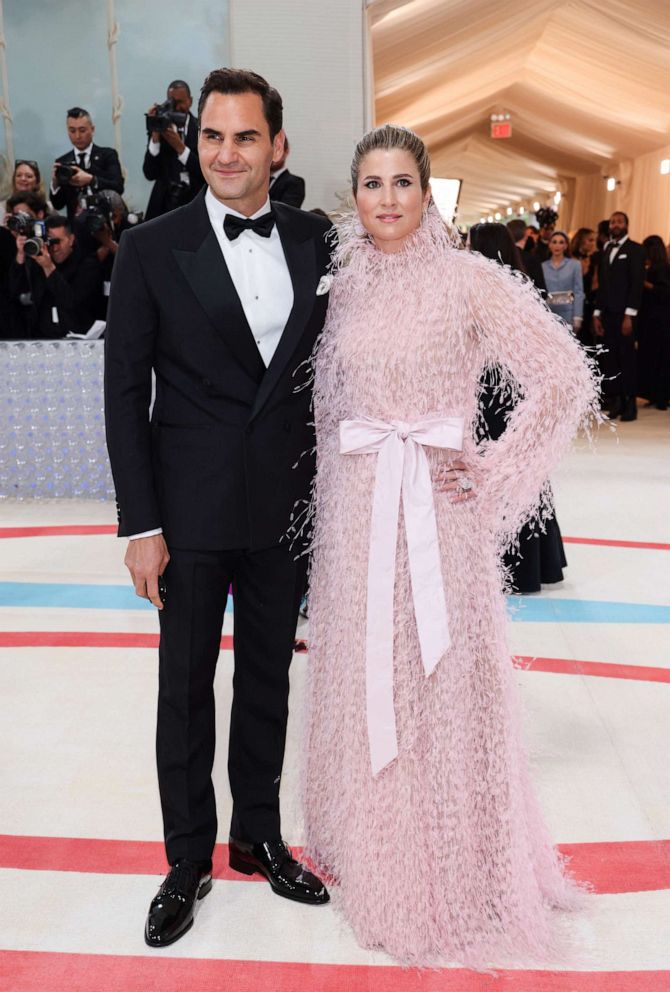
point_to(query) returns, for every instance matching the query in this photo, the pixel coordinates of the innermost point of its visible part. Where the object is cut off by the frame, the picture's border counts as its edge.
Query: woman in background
(653, 326)
(563, 276)
(537, 557)
(584, 248)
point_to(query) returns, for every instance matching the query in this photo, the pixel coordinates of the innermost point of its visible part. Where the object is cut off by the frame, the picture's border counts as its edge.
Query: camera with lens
(97, 212)
(35, 232)
(64, 173)
(164, 117)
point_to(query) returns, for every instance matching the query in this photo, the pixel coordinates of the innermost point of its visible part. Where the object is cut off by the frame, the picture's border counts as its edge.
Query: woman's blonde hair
(387, 137)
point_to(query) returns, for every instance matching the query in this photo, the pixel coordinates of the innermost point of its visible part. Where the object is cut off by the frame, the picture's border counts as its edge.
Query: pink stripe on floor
(605, 542)
(35, 971)
(85, 639)
(130, 639)
(603, 669)
(65, 530)
(611, 867)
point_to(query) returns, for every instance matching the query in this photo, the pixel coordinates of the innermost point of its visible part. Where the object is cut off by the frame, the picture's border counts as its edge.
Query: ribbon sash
(402, 468)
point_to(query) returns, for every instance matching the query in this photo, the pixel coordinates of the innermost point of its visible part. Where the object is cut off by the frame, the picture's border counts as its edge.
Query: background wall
(315, 54)
(57, 57)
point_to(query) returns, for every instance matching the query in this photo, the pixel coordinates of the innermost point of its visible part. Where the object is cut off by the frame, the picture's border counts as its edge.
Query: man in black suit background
(620, 284)
(87, 168)
(284, 186)
(223, 299)
(171, 158)
(531, 263)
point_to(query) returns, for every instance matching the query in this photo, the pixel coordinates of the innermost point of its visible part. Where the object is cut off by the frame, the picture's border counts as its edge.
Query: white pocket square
(324, 285)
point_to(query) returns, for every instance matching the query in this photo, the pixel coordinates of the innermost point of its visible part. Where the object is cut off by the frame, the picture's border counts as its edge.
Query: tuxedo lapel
(208, 277)
(301, 261)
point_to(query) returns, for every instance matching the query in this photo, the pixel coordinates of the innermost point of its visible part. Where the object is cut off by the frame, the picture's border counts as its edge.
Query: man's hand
(54, 182)
(627, 326)
(151, 112)
(146, 559)
(45, 261)
(173, 139)
(598, 327)
(81, 177)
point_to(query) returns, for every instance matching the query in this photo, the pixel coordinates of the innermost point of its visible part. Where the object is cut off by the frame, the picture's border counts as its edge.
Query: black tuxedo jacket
(229, 447)
(165, 168)
(104, 167)
(620, 282)
(288, 188)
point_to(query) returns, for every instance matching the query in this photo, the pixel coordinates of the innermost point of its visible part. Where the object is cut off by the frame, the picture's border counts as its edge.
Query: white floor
(76, 746)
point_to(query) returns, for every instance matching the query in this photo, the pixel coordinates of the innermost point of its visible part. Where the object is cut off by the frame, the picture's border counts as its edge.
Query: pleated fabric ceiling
(586, 84)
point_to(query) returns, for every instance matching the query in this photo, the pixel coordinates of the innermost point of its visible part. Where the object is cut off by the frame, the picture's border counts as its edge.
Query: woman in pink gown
(417, 793)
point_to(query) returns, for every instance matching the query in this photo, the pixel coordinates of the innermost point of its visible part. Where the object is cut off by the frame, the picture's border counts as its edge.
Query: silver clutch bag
(566, 296)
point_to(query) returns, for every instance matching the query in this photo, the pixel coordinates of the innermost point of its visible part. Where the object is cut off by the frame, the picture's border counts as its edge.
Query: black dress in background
(653, 338)
(540, 559)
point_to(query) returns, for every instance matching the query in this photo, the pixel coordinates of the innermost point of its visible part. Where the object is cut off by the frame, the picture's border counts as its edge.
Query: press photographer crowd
(59, 240)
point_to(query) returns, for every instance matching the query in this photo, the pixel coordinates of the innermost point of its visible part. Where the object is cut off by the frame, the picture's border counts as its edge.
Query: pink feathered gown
(443, 856)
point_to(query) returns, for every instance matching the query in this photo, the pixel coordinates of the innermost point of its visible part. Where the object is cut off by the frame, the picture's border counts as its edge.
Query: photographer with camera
(99, 228)
(171, 158)
(86, 169)
(61, 285)
(23, 209)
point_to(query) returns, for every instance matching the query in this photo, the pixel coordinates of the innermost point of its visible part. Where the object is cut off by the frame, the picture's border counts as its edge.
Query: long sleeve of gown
(557, 387)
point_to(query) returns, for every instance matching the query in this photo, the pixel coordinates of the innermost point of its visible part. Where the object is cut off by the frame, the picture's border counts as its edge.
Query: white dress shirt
(261, 278)
(155, 147)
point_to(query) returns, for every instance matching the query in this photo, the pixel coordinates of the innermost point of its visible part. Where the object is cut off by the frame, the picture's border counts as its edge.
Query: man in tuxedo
(171, 158)
(220, 299)
(530, 261)
(620, 284)
(91, 167)
(284, 186)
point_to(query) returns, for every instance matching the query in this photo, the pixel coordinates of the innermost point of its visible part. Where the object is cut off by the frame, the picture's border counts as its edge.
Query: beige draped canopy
(586, 84)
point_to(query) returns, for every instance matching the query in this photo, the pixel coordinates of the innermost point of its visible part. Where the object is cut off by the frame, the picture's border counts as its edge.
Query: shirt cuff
(146, 533)
(630, 312)
(596, 313)
(154, 147)
(183, 158)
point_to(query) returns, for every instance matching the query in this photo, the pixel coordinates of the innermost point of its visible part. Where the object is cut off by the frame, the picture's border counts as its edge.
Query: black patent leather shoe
(286, 876)
(171, 911)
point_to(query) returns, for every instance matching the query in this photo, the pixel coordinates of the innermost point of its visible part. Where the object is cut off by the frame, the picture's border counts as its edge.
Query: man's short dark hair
(517, 228)
(35, 201)
(619, 213)
(179, 84)
(78, 112)
(245, 81)
(58, 220)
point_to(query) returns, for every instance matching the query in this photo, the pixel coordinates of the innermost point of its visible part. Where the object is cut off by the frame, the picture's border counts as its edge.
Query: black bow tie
(233, 226)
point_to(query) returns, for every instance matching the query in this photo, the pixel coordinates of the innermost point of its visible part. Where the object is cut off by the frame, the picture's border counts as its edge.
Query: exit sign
(501, 129)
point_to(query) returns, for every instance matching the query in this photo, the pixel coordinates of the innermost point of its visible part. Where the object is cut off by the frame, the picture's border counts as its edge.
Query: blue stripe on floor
(523, 609)
(527, 609)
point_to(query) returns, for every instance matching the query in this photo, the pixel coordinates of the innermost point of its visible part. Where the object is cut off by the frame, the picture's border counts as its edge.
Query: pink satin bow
(402, 466)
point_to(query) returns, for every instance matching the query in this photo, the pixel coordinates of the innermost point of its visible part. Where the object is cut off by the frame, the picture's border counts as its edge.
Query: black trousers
(619, 364)
(267, 587)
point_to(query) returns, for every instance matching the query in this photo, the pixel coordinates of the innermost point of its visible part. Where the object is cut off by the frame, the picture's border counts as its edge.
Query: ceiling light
(557, 197)
(490, 218)
(665, 166)
(611, 184)
(498, 215)
(521, 211)
(509, 211)
(536, 205)
(482, 220)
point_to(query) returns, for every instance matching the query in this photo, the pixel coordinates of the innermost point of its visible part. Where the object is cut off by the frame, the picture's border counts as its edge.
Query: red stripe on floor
(40, 971)
(604, 542)
(65, 530)
(611, 867)
(111, 639)
(603, 669)
(85, 639)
